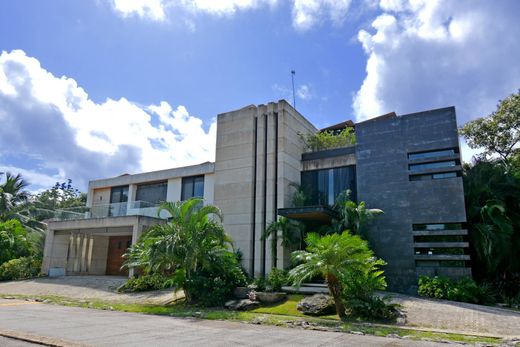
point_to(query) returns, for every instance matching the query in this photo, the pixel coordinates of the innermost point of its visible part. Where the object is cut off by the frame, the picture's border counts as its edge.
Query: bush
(19, 269)
(144, 283)
(372, 307)
(464, 290)
(14, 243)
(277, 279)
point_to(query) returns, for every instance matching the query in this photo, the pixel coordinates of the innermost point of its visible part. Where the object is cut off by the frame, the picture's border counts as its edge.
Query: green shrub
(144, 283)
(277, 279)
(372, 307)
(14, 243)
(464, 290)
(259, 284)
(323, 140)
(19, 269)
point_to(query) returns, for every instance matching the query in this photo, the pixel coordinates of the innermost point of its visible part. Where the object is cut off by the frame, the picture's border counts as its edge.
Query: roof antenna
(293, 95)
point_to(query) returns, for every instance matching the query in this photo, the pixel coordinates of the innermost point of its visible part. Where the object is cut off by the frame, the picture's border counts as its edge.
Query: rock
(241, 304)
(356, 332)
(241, 292)
(317, 305)
(395, 336)
(270, 298)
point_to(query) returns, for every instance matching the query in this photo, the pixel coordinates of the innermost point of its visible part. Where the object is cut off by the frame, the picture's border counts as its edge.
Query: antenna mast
(293, 95)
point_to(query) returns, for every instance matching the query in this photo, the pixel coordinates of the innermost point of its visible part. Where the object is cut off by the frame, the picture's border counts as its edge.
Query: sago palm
(332, 256)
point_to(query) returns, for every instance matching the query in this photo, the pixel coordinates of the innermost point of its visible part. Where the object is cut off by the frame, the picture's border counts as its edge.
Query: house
(409, 166)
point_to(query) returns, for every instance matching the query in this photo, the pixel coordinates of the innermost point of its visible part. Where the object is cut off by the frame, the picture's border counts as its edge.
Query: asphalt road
(88, 327)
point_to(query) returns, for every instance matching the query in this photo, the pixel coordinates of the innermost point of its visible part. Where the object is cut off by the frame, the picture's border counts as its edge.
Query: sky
(97, 88)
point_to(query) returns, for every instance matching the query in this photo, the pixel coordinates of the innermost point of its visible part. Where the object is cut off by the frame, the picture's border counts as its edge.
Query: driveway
(84, 287)
(79, 326)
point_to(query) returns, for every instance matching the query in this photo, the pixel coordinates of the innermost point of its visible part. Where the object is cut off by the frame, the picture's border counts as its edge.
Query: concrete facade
(396, 165)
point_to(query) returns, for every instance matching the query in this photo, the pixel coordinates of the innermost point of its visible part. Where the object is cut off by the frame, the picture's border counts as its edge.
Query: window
(439, 238)
(435, 176)
(322, 187)
(432, 154)
(153, 193)
(436, 165)
(192, 187)
(437, 226)
(118, 200)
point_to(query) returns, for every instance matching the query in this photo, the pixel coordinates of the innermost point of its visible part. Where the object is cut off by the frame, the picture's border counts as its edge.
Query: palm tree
(289, 231)
(352, 216)
(15, 203)
(332, 256)
(190, 242)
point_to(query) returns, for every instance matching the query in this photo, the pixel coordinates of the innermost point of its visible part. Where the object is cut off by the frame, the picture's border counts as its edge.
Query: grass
(281, 314)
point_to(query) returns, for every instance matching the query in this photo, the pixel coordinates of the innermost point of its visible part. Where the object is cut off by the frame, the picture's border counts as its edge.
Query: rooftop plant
(328, 139)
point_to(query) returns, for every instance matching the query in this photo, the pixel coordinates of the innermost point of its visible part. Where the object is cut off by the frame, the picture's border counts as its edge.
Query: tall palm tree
(352, 216)
(332, 256)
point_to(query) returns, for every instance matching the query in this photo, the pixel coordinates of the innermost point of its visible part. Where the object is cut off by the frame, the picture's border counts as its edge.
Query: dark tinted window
(192, 187)
(432, 154)
(323, 186)
(153, 193)
(436, 165)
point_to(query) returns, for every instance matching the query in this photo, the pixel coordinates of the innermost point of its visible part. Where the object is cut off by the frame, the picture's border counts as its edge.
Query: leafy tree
(335, 257)
(329, 139)
(499, 132)
(14, 242)
(289, 231)
(192, 247)
(61, 195)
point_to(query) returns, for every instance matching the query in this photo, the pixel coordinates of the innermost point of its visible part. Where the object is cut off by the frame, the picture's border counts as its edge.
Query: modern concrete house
(408, 166)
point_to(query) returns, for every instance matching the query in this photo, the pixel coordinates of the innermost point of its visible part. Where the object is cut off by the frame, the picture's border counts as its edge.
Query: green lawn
(288, 308)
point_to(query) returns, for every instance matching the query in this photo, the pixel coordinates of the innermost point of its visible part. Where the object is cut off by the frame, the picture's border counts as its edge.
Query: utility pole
(293, 94)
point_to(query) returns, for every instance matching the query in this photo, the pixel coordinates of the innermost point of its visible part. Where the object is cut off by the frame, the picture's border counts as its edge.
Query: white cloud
(429, 54)
(53, 121)
(308, 13)
(304, 92)
(305, 13)
(152, 9)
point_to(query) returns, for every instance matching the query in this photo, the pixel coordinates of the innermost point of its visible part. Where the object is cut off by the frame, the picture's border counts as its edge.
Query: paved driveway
(78, 326)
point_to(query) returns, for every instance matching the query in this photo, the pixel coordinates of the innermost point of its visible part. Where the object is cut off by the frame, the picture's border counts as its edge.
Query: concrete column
(137, 230)
(132, 191)
(49, 240)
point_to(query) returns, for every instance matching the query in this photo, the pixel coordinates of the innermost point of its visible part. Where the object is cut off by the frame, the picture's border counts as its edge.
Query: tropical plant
(15, 203)
(277, 278)
(192, 248)
(289, 231)
(352, 216)
(299, 197)
(146, 282)
(333, 256)
(329, 139)
(14, 242)
(464, 290)
(20, 268)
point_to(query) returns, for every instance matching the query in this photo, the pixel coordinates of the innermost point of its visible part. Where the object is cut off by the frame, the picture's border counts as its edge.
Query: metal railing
(133, 208)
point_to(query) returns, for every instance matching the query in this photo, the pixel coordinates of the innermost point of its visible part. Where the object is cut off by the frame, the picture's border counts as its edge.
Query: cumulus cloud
(304, 92)
(52, 121)
(305, 13)
(429, 54)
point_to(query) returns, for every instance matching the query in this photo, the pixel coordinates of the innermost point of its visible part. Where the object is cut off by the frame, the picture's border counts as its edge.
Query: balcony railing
(134, 208)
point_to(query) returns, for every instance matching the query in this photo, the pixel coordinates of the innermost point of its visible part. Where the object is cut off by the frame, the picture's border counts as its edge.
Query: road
(89, 327)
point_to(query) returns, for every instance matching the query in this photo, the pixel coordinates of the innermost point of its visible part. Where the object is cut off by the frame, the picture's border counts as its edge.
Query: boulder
(241, 304)
(317, 305)
(270, 297)
(241, 292)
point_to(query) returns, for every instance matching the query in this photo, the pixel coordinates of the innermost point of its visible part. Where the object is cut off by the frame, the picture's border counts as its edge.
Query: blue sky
(96, 88)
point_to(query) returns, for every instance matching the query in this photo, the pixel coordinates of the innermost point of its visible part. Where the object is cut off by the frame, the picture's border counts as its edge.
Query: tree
(60, 196)
(352, 216)
(289, 231)
(14, 242)
(499, 132)
(191, 247)
(334, 257)
(15, 203)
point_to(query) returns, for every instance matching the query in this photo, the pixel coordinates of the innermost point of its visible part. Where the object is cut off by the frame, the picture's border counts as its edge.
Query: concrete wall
(257, 155)
(383, 182)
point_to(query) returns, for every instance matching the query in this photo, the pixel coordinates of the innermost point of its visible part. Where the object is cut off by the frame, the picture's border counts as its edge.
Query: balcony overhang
(103, 223)
(316, 213)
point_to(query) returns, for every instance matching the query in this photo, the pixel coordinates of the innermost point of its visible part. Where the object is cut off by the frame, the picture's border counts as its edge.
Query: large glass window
(436, 165)
(153, 193)
(435, 176)
(437, 226)
(431, 154)
(192, 187)
(322, 187)
(118, 199)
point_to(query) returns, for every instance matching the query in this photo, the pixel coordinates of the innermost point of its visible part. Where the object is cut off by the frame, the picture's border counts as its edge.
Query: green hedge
(146, 282)
(464, 290)
(20, 268)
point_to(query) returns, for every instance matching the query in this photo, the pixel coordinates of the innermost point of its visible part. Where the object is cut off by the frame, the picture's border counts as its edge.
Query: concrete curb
(40, 340)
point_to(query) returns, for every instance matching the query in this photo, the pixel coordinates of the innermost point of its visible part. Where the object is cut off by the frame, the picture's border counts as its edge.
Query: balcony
(133, 208)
